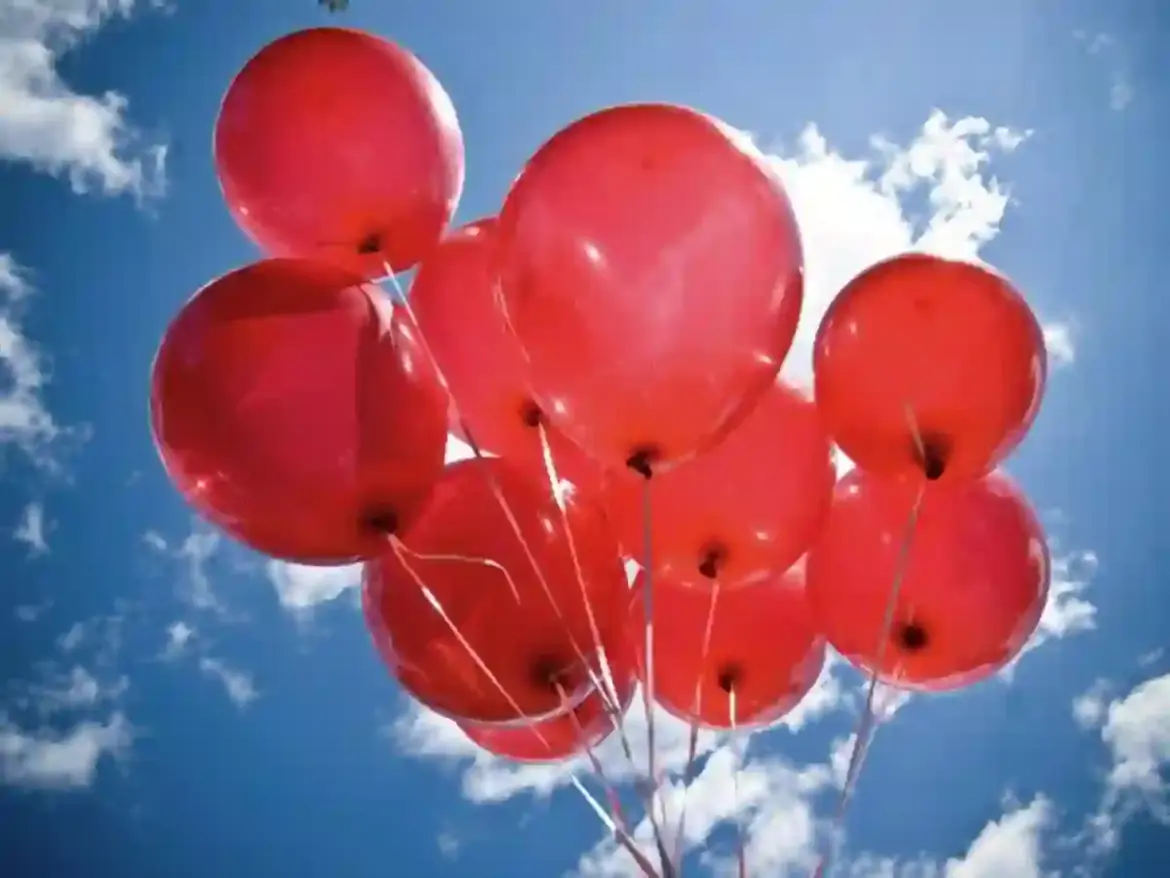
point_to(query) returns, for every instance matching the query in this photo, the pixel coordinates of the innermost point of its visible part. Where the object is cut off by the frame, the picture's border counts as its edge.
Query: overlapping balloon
(621, 324)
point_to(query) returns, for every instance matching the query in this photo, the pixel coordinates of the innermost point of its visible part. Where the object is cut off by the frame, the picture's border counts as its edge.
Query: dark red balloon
(974, 588)
(560, 737)
(340, 145)
(764, 646)
(651, 268)
(926, 344)
(744, 510)
(293, 406)
(461, 547)
(453, 297)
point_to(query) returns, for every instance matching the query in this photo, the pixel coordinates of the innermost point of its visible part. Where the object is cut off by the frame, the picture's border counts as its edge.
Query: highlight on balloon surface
(609, 346)
(746, 509)
(340, 145)
(759, 641)
(454, 300)
(975, 583)
(505, 624)
(924, 345)
(651, 268)
(292, 407)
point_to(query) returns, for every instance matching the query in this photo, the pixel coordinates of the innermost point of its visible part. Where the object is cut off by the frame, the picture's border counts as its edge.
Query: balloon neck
(642, 460)
(370, 244)
(549, 672)
(384, 521)
(932, 456)
(712, 561)
(530, 414)
(728, 678)
(912, 637)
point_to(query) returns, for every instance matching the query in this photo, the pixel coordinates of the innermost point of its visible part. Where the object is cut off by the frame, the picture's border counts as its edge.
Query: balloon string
(867, 724)
(615, 805)
(620, 834)
(505, 507)
(611, 693)
(693, 743)
(654, 798)
(740, 846)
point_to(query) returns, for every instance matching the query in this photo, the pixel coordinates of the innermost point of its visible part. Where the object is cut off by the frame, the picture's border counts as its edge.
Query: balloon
(926, 344)
(340, 145)
(748, 508)
(560, 737)
(293, 407)
(974, 587)
(651, 268)
(764, 646)
(453, 298)
(469, 557)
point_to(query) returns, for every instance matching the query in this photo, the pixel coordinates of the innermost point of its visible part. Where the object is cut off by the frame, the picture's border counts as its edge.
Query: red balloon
(974, 586)
(453, 297)
(293, 407)
(561, 737)
(746, 509)
(651, 268)
(461, 548)
(764, 646)
(340, 145)
(946, 348)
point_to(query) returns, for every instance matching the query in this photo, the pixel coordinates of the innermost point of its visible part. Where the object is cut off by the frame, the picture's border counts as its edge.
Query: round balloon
(453, 298)
(560, 737)
(764, 646)
(742, 511)
(928, 365)
(340, 145)
(293, 407)
(651, 268)
(504, 639)
(975, 582)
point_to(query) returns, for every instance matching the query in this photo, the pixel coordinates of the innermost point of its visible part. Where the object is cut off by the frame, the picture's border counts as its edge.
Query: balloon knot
(932, 456)
(370, 244)
(383, 521)
(642, 460)
(728, 678)
(712, 561)
(912, 637)
(531, 414)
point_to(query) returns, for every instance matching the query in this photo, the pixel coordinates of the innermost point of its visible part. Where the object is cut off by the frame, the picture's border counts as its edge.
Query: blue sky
(173, 705)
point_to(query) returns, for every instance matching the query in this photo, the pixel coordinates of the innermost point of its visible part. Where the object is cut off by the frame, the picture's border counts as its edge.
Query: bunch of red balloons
(610, 344)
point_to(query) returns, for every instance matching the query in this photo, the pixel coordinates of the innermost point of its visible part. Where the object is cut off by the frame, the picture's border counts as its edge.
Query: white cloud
(1105, 48)
(179, 635)
(1089, 708)
(1009, 846)
(31, 529)
(50, 760)
(25, 420)
(855, 211)
(1067, 611)
(300, 587)
(237, 684)
(1060, 340)
(193, 555)
(87, 139)
(77, 690)
(1137, 732)
(1135, 729)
